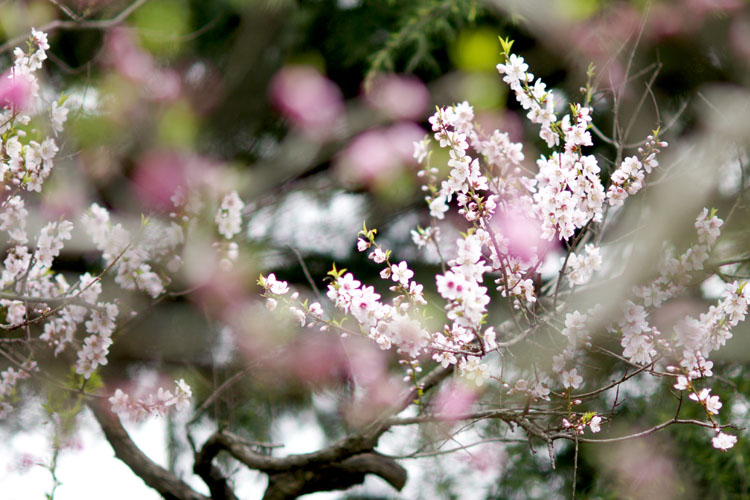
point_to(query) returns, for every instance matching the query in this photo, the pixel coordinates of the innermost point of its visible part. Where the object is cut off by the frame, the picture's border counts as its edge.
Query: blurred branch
(508, 415)
(93, 24)
(53, 301)
(458, 448)
(219, 390)
(66, 10)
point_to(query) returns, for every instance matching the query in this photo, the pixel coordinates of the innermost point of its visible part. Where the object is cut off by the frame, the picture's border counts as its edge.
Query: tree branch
(211, 475)
(295, 475)
(336, 476)
(157, 477)
(340, 465)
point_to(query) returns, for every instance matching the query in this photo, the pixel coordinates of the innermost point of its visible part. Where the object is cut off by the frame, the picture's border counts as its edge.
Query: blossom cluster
(512, 214)
(628, 178)
(157, 405)
(539, 103)
(307, 314)
(96, 345)
(594, 422)
(564, 196)
(229, 215)
(34, 293)
(387, 324)
(582, 267)
(9, 379)
(28, 158)
(639, 339)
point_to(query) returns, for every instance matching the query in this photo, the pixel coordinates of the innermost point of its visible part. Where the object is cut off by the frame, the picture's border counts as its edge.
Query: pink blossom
(595, 424)
(723, 441)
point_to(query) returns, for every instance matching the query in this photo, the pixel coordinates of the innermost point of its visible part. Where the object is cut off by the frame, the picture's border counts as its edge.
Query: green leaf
(506, 44)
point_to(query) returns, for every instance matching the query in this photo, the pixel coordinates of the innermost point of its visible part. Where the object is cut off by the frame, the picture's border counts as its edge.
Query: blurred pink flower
(24, 462)
(508, 121)
(454, 401)
(667, 20)
(157, 177)
(164, 85)
(377, 155)
(703, 7)
(136, 64)
(163, 178)
(521, 233)
(399, 97)
(367, 364)
(316, 359)
(375, 400)
(129, 60)
(308, 99)
(15, 90)
(485, 458)
(66, 201)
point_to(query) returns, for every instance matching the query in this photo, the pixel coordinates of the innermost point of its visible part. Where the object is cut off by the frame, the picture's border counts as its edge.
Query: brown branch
(337, 476)
(508, 415)
(338, 451)
(157, 477)
(66, 10)
(211, 475)
(340, 465)
(418, 454)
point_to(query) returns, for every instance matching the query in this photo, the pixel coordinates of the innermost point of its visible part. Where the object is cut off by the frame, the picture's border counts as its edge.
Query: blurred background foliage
(220, 59)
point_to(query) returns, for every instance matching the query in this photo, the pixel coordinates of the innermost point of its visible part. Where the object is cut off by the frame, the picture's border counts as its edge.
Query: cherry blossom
(723, 441)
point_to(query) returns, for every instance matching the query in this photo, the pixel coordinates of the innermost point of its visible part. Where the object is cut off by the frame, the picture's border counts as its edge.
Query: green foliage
(414, 40)
(178, 127)
(476, 50)
(63, 406)
(579, 9)
(161, 25)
